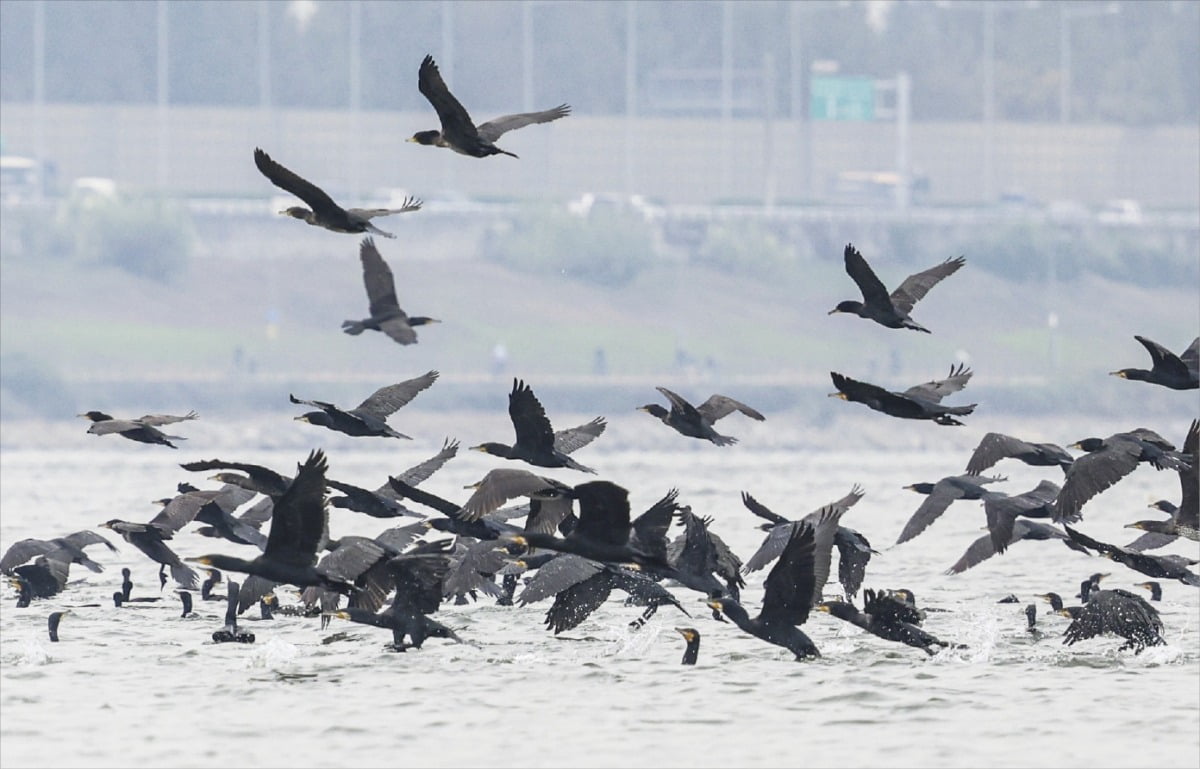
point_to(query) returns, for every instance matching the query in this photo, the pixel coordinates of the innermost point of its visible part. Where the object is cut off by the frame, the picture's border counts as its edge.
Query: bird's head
(689, 634)
(849, 306)
(296, 212)
(205, 560)
(428, 138)
(95, 416)
(653, 409)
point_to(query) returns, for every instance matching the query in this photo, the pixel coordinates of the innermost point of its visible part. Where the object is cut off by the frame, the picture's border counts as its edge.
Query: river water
(145, 687)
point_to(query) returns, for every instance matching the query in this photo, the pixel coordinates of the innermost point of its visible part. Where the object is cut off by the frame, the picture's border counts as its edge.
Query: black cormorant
(1178, 372)
(458, 131)
(151, 538)
(697, 421)
(692, 636)
(891, 310)
(1154, 587)
(368, 418)
(229, 633)
(1185, 517)
(384, 308)
(322, 211)
(939, 497)
(996, 446)
(536, 441)
(144, 429)
(1159, 566)
(298, 525)
(1107, 461)
(921, 401)
(886, 617)
(52, 623)
(1118, 612)
(787, 598)
(68, 549)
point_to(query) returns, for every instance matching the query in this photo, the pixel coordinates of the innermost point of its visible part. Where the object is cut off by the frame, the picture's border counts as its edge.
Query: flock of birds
(576, 543)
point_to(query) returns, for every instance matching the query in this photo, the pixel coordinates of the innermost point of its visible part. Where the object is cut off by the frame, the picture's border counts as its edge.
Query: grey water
(144, 687)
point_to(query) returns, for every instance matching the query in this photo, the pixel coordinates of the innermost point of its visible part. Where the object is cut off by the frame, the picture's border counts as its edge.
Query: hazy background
(683, 226)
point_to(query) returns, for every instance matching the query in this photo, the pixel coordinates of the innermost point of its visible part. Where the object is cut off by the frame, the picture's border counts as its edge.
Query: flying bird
(384, 308)
(891, 310)
(458, 131)
(370, 416)
(322, 211)
(921, 401)
(1178, 372)
(536, 441)
(697, 421)
(144, 429)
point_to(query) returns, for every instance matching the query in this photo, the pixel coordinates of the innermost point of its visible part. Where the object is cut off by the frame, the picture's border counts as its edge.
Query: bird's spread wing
(788, 588)
(494, 129)
(917, 285)
(556, 575)
(453, 116)
(680, 405)
(386, 400)
(1191, 356)
(408, 204)
(1091, 474)
(500, 485)
(158, 420)
(381, 285)
(1163, 359)
(300, 518)
(281, 177)
(937, 389)
(873, 290)
(529, 419)
(574, 438)
(650, 528)
(423, 470)
(718, 406)
(761, 510)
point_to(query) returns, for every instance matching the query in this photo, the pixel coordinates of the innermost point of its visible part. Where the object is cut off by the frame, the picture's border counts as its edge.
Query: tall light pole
(163, 94)
(630, 89)
(39, 96)
(1067, 12)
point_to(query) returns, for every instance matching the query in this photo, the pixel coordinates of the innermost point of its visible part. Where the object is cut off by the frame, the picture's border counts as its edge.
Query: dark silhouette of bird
(1154, 587)
(697, 421)
(1002, 510)
(1057, 606)
(144, 429)
(151, 538)
(996, 446)
(1184, 518)
(384, 308)
(322, 211)
(1178, 372)
(1107, 461)
(1031, 621)
(127, 589)
(68, 549)
(854, 551)
(257, 478)
(44, 578)
(214, 507)
(368, 418)
(891, 310)
(921, 401)
(53, 621)
(939, 497)
(887, 617)
(536, 441)
(504, 483)
(417, 577)
(692, 636)
(1116, 612)
(384, 501)
(229, 632)
(1158, 566)
(580, 586)
(1021, 529)
(185, 598)
(299, 523)
(458, 132)
(787, 598)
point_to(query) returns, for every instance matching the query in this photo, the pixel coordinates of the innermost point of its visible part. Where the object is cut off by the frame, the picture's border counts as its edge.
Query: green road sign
(842, 98)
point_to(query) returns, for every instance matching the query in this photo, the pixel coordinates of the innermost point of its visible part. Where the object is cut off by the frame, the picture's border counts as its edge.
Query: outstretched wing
(1163, 359)
(529, 419)
(937, 389)
(718, 406)
(158, 420)
(453, 116)
(281, 177)
(387, 400)
(494, 129)
(381, 285)
(574, 438)
(872, 288)
(679, 404)
(917, 285)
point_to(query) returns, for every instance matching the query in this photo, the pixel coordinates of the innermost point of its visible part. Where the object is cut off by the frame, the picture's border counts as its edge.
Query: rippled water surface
(145, 687)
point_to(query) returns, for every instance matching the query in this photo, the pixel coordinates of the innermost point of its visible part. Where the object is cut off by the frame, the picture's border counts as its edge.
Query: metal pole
(904, 181)
(355, 98)
(39, 96)
(799, 103)
(989, 101)
(769, 169)
(1064, 66)
(527, 54)
(163, 96)
(726, 91)
(630, 90)
(446, 65)
(264, 54)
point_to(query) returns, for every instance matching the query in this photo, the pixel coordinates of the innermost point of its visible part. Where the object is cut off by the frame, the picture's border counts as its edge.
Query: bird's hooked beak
(822, 607)
(839, 394)
(203, 559)
(834, 310)
(1117, 373)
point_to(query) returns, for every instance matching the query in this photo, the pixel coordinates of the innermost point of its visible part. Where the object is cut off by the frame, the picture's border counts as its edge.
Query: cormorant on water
(52, 623)
(692, 636)
(1118, 612)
